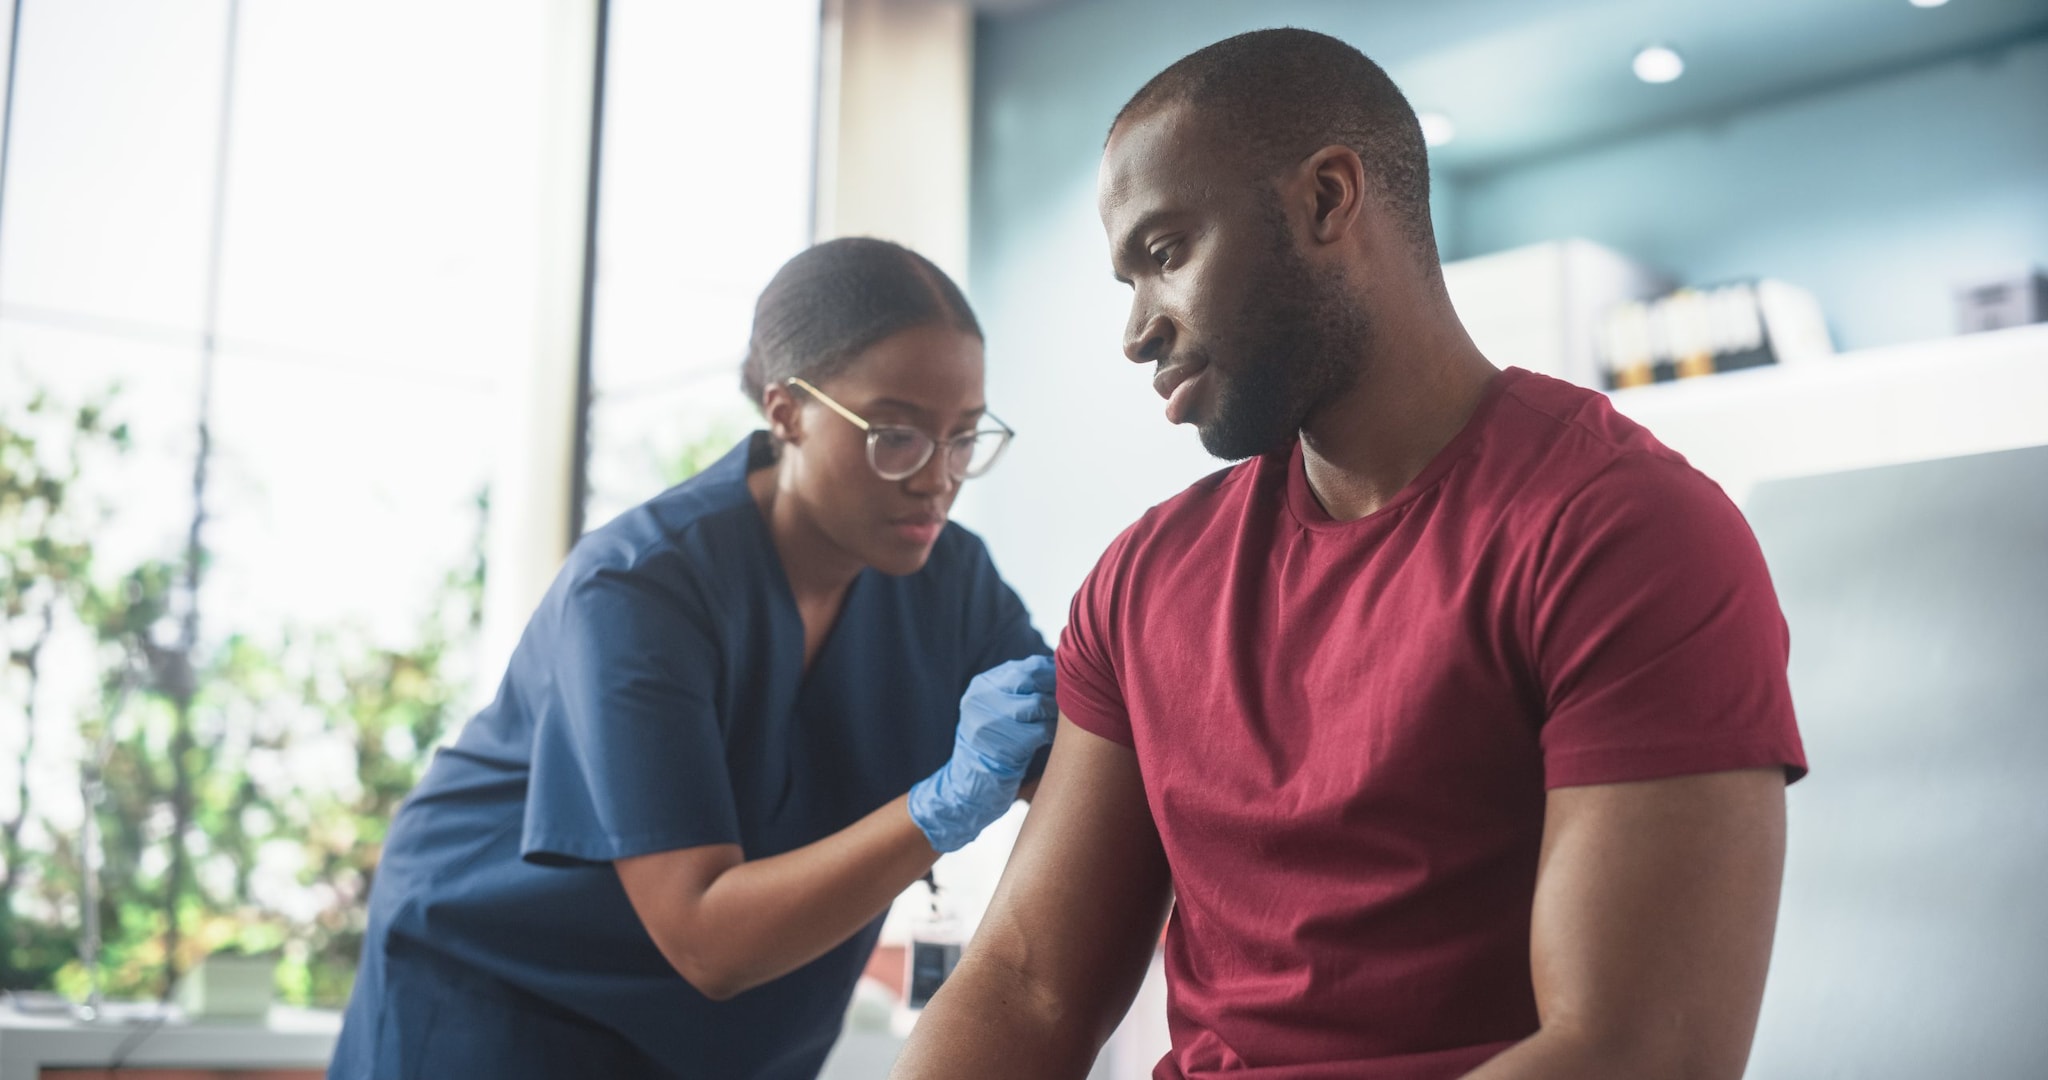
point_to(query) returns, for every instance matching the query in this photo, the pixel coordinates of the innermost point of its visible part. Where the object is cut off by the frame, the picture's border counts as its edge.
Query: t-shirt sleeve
(1658, 642)
(1089, 656)
(628, 758)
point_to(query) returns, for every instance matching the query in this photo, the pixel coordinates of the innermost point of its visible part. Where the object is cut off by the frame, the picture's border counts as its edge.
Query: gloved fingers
(952, 806)
(1008, 736)
(1030, 675)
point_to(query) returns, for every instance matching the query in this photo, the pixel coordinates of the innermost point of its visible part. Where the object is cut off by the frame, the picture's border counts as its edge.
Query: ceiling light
(1437, 128)
(1659, 64)
(1929, 3)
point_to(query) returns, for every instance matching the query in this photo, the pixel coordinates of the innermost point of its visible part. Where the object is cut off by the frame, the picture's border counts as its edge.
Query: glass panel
(660, 438)
(134, 507)
(385, 183)
(378, 272)
(341, 496)
(701, 202)
(111, 168)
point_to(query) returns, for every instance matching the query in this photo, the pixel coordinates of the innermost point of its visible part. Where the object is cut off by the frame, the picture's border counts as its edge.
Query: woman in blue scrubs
(747, 715)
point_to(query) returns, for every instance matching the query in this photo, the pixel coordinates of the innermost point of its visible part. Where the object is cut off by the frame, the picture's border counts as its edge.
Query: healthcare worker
(746, 715)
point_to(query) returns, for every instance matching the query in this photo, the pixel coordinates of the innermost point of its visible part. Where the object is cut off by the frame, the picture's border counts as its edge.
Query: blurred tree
(700, 453)
(305, 747)
(45, 560)
(394, 706)
(244, 785)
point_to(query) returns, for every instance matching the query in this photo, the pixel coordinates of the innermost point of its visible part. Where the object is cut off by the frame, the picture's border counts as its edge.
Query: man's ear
(783, 412)
(1334, 178)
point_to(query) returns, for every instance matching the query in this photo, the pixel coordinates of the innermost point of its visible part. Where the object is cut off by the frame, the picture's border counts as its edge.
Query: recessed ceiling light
(1659, 64)
(1437, 128)
(1929, 3)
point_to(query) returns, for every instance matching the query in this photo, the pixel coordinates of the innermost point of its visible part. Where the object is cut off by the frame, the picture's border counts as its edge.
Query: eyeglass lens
(898, 452)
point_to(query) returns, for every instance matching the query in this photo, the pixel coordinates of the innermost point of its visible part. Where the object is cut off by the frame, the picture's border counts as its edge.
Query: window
(313, 227)
(706, 189)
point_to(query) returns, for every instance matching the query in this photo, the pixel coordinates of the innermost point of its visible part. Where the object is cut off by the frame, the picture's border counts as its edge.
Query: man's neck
(1412, 398)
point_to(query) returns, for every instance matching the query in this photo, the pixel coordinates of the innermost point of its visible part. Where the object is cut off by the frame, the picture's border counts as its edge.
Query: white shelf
(1934, 399)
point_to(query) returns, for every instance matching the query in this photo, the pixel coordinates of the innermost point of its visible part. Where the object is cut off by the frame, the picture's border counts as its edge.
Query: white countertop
(288, 1038)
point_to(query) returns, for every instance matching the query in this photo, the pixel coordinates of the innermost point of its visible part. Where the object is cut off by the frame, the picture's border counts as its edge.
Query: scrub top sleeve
(628, 757)
(996, 625)
(1011, 635)
(1001, 623)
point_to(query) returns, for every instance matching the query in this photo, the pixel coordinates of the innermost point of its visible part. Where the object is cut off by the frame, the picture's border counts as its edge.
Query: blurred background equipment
(2012, 299)
(1694, 332)
(1542, 306)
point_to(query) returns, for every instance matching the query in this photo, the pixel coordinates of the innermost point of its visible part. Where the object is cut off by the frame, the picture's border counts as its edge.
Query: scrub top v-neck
(658, 700)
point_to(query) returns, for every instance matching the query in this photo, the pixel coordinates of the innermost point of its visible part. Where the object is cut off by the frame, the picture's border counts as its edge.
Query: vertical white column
(894, 124)
(530, 489)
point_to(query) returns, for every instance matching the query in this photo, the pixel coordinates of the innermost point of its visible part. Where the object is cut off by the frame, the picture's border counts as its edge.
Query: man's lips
(1176, 384)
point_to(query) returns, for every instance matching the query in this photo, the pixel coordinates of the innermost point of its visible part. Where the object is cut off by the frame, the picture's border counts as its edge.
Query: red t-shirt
(1346, 729)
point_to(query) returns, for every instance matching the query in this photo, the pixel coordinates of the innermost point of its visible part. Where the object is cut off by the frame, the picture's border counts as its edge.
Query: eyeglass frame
(875, 431)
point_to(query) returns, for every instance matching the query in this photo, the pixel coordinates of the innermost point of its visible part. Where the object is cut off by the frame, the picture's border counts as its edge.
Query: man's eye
(1161, 254)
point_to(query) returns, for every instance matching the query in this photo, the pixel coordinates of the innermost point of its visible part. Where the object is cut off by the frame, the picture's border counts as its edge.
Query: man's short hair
(1283, 94)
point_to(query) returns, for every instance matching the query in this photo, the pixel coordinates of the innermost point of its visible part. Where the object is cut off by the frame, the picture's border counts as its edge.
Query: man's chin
(1231, 445)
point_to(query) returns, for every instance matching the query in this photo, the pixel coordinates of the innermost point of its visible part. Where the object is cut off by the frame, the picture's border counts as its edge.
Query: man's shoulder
(1554, 440)
(1184, 518)
(1570, 474)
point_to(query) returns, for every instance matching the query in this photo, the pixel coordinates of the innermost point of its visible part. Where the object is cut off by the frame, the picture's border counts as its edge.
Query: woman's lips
(919, 530)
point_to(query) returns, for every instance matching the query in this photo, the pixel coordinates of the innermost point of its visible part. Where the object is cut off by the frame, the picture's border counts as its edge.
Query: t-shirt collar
(1309, 512)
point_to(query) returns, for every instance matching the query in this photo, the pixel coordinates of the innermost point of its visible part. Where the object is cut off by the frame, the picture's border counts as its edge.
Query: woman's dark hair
(833, 301)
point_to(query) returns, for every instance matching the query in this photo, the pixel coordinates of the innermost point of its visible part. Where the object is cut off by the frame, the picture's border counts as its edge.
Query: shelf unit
(1973, 394)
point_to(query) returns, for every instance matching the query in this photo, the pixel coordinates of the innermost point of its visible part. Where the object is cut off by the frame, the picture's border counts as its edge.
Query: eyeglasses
(897, 453)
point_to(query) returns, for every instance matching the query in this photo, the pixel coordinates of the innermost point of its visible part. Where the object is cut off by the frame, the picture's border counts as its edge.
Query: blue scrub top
(658, 700)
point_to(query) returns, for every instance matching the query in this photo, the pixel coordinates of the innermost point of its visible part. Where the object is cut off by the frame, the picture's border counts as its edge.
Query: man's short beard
(1297, 344)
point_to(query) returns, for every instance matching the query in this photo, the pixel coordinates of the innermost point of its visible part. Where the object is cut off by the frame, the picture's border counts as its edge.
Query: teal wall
(1879, 196)
(1047, 85)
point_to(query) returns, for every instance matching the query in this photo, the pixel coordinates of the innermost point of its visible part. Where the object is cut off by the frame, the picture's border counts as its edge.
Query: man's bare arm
(1068, 936)
(1651, 934)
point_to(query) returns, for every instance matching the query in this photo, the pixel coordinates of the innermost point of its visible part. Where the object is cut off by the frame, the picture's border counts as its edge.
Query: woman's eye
(897, 439)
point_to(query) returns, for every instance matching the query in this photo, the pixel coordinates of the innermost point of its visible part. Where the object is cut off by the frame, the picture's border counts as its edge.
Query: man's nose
(1148, 338)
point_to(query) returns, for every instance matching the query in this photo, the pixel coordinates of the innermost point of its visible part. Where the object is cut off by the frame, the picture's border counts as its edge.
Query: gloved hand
(1007, 714)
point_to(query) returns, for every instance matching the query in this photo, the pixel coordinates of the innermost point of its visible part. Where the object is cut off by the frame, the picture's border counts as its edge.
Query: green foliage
(394, 706)
(45, 562)
(701, 452)
(245, 785)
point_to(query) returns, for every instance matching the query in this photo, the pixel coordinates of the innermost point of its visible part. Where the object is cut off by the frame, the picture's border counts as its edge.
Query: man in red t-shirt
(1453, 725)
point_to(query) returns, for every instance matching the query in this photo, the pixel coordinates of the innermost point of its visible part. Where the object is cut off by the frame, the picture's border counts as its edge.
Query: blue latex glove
(1007, 714)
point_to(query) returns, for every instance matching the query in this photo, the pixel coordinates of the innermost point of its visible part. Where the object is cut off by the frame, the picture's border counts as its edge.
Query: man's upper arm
(1080, 905)
(1655, 907)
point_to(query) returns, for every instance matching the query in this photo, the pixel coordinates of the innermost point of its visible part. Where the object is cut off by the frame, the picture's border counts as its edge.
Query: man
(1453, 725)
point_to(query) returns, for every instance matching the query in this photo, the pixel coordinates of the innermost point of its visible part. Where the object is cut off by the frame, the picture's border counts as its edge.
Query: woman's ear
(780, 408)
